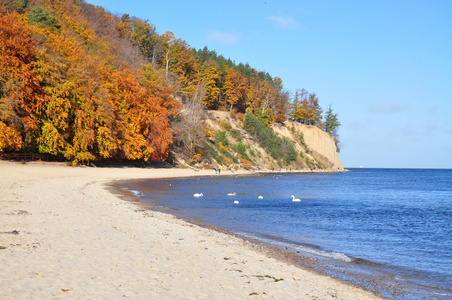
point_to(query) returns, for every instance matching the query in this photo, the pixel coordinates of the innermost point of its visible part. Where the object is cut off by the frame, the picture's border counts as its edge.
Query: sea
(387, 230)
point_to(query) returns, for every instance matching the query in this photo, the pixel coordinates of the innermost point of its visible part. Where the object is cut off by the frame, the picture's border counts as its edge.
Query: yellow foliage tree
(211, 77)
(10, 139)
(235, 87)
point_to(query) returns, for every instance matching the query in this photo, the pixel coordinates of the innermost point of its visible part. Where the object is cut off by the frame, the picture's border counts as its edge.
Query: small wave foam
(329, 254)
(137, 193)
(441, 294)
(134, 192)
(307, 249)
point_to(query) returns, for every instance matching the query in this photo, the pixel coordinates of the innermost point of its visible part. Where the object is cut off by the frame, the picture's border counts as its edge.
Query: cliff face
(319, 144)
(323, 143)
(230, 146)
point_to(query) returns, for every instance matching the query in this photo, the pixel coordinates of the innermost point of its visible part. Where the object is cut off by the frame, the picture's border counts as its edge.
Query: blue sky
(385, 66)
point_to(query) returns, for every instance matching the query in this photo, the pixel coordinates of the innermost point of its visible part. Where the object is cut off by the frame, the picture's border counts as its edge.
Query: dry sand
(63, 235)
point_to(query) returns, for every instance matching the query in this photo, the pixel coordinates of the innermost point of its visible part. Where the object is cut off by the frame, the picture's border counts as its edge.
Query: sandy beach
(64, 235)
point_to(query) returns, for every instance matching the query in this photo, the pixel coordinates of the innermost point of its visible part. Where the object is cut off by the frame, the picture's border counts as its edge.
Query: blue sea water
(394, 224)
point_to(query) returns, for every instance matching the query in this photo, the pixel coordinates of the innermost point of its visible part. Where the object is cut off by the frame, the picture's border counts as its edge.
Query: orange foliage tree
(61, 91)
(280, 103)
(21, 97)
(235, 87)
(144, 116)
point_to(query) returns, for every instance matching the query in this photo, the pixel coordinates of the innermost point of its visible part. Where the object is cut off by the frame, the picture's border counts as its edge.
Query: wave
(134, 192)
(442, 294)
(311, 249)
(330, 254)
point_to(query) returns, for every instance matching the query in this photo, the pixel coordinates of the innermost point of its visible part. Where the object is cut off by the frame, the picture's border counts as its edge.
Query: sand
(63, 235)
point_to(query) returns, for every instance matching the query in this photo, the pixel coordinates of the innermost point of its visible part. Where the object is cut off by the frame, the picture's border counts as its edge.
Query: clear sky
(384, 65)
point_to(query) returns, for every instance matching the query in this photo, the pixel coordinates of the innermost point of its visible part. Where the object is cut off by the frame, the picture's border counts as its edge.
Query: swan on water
(236, 202)
(260, 197)
(295, 199)
(232, 194)
(198, 195)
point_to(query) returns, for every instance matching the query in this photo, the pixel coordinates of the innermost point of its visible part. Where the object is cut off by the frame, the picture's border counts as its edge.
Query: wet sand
(63, 234)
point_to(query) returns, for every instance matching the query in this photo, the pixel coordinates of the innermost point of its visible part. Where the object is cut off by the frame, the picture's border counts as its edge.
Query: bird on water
(295, 199)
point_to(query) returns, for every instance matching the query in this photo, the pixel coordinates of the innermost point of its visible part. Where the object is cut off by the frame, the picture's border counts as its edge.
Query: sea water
(391, 224)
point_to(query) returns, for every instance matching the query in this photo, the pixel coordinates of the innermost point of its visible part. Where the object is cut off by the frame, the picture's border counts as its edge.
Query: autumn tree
(145, 36)
(142, 33)
(21, 97)
(298, 108)
(211, 78)
(14, 5)
(280, 103)
(246, 89)
(183, 65)
(159, 108)
(265, 96)
(124, 26)
(305, 108)
(234, 87)
(170, 40)
(260, 94)
(314, 111)
(71, 117)
(58, 96)
(10, 139)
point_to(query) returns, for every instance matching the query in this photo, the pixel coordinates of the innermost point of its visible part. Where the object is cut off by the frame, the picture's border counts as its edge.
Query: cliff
(231, 144)
(321, 143)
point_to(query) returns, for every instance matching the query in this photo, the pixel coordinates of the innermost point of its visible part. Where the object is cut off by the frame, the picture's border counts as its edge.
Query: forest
(81, 82)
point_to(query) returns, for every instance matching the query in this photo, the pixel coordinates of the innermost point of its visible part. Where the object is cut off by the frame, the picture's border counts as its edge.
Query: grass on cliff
(280, 148)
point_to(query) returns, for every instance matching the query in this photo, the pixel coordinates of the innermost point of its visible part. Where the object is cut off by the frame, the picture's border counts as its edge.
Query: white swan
(295, 199)
(260, 197)
(236, 202)
(198, 195)
(232, 194)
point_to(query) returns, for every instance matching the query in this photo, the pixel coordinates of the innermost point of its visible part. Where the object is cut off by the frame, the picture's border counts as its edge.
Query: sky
(384, 66)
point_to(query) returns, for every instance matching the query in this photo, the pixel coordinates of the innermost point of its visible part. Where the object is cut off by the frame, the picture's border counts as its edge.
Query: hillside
(232, 147)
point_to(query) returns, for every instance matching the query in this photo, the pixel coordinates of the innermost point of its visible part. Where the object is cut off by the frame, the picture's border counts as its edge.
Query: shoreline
(64, 234)
(353, 273)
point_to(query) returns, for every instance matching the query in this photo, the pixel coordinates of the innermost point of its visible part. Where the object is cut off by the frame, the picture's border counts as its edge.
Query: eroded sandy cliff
(315, 148)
